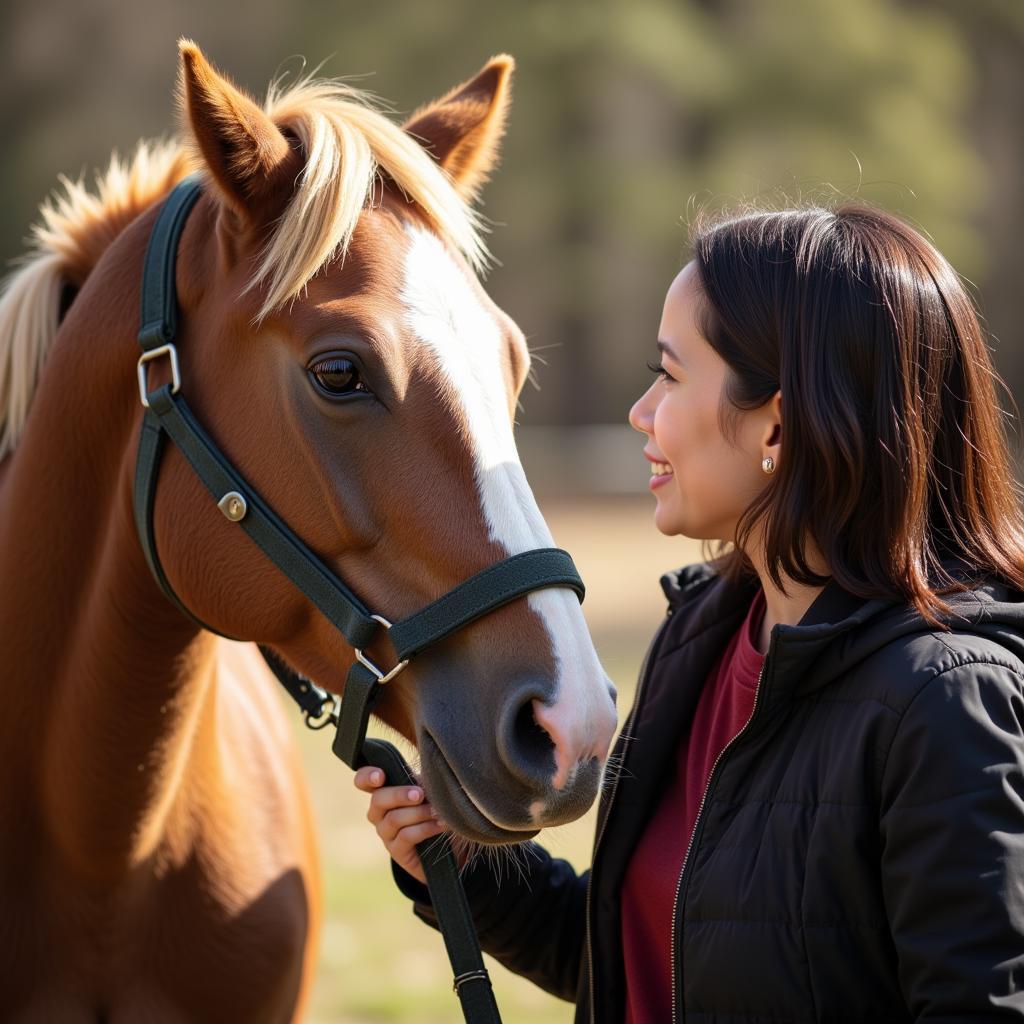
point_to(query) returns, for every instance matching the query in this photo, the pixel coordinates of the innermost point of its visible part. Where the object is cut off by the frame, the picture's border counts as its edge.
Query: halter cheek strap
(168, 418)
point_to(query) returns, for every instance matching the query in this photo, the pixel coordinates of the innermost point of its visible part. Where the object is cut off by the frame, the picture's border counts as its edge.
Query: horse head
(336, 342)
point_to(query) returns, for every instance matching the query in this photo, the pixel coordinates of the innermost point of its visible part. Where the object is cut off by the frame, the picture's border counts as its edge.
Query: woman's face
(702, 482)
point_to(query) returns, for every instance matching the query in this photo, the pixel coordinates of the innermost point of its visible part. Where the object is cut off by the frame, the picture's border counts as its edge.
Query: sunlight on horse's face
(406, 480)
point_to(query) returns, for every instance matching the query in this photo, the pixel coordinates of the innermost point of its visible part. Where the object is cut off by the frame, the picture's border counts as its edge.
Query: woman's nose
(641, 415)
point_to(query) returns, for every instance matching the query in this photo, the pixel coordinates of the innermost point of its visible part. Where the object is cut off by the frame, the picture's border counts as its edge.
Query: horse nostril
(530, 741)
(524, 747)
(543, 742)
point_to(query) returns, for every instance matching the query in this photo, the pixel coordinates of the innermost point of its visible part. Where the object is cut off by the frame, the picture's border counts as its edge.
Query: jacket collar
(840, 628)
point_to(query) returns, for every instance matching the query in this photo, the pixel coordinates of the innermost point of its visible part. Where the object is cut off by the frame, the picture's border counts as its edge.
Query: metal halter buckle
(328, 714)
(382, 678)
(147, 357)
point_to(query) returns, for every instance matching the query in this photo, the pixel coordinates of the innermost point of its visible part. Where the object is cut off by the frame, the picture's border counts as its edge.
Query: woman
(820, 811)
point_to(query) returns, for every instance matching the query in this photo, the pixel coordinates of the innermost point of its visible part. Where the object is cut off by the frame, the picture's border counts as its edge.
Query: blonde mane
(348, 143)
(76, 226)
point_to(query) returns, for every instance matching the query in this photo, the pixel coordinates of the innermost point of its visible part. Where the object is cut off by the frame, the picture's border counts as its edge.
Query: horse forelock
(348, 145)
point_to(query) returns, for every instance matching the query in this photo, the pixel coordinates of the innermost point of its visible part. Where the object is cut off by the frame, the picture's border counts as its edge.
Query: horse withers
(159, 860)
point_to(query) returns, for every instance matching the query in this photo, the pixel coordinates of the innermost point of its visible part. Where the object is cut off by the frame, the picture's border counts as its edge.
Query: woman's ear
(773, 427)
(463, 130)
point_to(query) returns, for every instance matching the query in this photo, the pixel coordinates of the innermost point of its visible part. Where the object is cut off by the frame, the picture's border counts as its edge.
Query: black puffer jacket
(859, 855)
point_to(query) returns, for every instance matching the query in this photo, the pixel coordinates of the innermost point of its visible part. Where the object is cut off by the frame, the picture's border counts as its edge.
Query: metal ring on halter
(461, 979)
(328, 714)
(164, 350)
(382, 677)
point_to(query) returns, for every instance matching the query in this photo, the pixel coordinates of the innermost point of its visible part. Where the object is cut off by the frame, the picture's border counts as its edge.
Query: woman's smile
(661, 472)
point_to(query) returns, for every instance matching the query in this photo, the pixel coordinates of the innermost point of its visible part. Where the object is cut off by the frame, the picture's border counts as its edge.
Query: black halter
(168, 417)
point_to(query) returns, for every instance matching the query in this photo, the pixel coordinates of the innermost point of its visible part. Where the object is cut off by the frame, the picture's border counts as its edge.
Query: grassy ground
(379, 963)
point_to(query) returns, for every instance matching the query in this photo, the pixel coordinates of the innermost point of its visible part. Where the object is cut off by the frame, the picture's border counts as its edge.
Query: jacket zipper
(696, 823)
(611, 797)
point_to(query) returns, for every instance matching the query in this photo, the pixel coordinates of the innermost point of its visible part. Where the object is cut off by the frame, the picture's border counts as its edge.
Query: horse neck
(108, 691)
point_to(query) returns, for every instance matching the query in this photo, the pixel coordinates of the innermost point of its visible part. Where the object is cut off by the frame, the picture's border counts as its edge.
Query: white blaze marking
(445, 314)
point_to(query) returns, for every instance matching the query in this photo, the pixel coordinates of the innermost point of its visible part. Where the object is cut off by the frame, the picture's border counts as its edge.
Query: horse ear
(463, 130)
(249, 158)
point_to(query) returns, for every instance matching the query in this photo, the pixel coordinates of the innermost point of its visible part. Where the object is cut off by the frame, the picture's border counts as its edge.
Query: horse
(159, 861)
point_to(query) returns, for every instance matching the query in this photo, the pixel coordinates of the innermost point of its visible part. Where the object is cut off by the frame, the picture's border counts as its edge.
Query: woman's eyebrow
(664, 346)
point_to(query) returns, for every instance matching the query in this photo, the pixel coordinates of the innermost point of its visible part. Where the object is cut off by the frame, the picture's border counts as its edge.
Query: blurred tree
(79, 80)
(626, 115)
(994, 32)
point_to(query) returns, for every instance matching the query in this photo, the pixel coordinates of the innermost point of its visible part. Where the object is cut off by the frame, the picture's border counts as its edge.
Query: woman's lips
(661, 472)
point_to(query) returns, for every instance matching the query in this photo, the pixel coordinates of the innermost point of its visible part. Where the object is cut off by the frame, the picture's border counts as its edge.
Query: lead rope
(168, 417)
(471, 982)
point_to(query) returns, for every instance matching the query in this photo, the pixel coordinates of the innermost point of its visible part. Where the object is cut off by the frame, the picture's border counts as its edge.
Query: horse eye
(336, 376)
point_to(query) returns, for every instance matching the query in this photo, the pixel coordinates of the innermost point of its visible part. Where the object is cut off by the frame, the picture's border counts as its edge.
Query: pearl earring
(768, 464)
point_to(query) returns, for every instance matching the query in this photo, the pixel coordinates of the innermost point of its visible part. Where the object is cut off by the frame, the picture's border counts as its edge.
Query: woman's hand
(401, 816)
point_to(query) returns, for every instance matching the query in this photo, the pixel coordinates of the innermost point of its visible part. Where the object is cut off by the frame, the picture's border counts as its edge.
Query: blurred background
(626, 118)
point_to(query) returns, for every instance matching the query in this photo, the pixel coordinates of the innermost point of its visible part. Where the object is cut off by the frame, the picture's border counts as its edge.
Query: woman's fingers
(402, 829)
(401, 816)
(385, 798)
(369, 778)
(392, 798)
(403, 847)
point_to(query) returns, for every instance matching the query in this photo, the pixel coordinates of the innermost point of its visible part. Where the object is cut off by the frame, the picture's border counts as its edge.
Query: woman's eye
(660, 371)
(337, 376)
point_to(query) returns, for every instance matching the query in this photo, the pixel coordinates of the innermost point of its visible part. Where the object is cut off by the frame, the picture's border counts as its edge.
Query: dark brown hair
(894, 458)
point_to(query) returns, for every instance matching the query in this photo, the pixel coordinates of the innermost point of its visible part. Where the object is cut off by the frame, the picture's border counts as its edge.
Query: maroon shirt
(649, 887)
